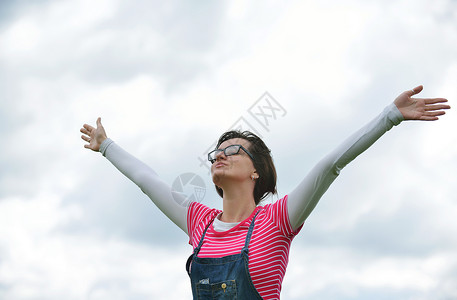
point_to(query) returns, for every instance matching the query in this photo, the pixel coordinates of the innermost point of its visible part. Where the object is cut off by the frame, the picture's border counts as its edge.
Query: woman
(242, 250)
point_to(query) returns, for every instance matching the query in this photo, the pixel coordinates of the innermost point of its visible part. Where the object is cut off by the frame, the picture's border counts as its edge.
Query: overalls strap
(197, 249)
(249, 234)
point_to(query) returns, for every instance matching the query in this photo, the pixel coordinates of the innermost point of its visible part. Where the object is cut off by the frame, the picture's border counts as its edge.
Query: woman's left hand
(94, 136)
(424, 109)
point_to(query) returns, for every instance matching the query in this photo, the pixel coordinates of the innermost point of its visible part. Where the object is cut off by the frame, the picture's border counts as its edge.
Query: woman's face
(233, 168)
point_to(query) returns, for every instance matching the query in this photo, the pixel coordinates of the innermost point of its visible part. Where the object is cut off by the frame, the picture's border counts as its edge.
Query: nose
(220, 155)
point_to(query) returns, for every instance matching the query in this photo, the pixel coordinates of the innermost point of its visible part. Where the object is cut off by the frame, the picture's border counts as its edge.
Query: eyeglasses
(230, 150)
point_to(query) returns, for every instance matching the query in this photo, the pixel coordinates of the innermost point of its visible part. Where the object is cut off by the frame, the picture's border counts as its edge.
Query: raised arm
(172, 204)
(305, 196)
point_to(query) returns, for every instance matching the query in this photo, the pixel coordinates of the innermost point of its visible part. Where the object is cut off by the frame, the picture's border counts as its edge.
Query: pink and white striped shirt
(268, 248)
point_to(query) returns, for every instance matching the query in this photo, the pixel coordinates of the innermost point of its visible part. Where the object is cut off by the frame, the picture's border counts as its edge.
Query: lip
(219, 164)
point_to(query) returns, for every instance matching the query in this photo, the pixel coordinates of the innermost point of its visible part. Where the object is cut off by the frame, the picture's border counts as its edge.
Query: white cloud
(41, 261)
(167, 79)
(350, 274)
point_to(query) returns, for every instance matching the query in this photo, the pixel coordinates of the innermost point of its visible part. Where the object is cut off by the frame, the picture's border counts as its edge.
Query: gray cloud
(124, 213)
(183, 47)
(170, 41)
(10, 10)
(114, 288)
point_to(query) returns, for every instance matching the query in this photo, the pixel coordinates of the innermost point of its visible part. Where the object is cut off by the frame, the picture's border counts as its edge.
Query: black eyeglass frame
(225, 152)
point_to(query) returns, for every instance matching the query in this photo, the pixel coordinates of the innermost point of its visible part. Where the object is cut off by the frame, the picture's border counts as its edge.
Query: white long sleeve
(171, 203)
(306, 195)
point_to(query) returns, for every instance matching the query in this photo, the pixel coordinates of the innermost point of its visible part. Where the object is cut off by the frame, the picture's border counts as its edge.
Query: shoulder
(198, 209)
(199, 215)
(278, 214)
(277, 207)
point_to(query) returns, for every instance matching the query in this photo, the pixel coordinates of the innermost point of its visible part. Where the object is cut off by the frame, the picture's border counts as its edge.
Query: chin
(217, 178)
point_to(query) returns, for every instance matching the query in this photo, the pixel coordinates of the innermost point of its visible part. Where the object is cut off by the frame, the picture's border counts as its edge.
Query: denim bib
(222, 278)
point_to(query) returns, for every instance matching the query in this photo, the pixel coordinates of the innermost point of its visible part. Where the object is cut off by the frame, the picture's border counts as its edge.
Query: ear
(254, 175)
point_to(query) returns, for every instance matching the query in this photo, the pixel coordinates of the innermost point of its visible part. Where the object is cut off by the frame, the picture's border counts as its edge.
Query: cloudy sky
(167, 78)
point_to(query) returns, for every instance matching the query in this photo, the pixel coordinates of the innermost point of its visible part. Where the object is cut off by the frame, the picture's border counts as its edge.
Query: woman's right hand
(424, 109)
(94, 136)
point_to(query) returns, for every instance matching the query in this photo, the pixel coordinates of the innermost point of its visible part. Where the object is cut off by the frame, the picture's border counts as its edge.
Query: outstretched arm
(172, 204)
(305, 196)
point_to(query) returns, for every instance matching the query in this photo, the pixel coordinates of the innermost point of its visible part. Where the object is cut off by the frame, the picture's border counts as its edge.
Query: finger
(86, 138)
(429, 118)
(84, 130)
(436, 107)
(415, 90)
(434, 113)
(99, 122)
(88, 127)
(434, 100)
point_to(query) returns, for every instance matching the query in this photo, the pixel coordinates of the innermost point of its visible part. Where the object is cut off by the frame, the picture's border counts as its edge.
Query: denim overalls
(222, 278)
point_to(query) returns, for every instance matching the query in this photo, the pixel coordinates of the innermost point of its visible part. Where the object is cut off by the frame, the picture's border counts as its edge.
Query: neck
(238, 204)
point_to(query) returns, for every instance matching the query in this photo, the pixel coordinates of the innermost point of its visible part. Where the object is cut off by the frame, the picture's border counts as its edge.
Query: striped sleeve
(197, 216)
(279, 215)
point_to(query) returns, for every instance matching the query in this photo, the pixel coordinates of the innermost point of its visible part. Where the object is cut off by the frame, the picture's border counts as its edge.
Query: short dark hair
(263, 163)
